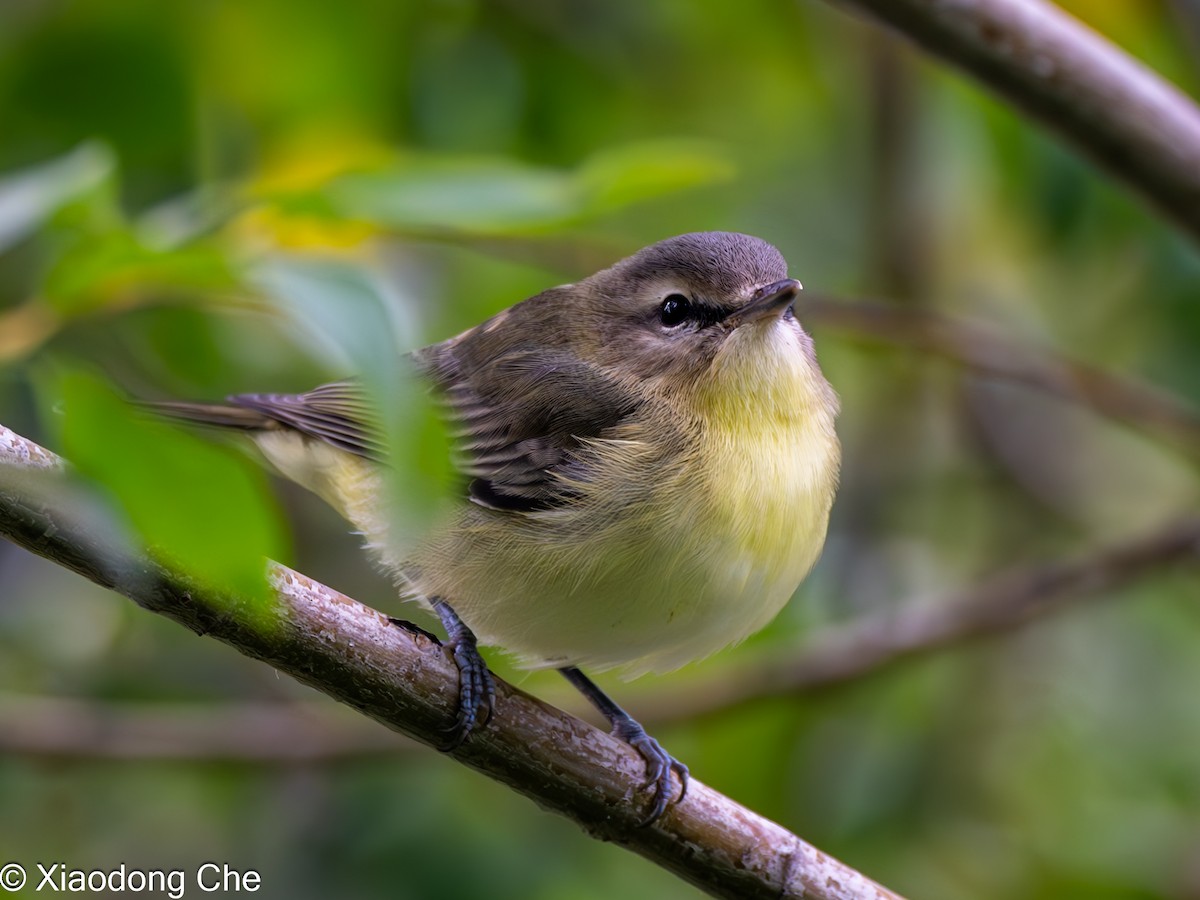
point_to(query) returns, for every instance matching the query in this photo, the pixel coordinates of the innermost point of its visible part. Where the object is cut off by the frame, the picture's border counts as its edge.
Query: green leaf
(623, 176)
(345, 314)
(32, 196)
(356, 322)
(197, 506)
(472, 196)
(118, 269)
(500, 197)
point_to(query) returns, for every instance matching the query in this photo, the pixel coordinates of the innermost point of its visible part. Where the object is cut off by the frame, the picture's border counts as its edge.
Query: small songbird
(648, 459)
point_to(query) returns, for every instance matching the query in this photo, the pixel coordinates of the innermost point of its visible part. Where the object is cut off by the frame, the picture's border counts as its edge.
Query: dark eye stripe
(677, 309)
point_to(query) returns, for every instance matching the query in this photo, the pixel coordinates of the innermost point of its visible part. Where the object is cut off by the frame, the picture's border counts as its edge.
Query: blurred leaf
(503, 196)
(478, 196)
(115, 268)
(630, 174)
(358, 324)
(29, 197)
(185, 218)
(344, 314)
(293, 228)
(196, 505)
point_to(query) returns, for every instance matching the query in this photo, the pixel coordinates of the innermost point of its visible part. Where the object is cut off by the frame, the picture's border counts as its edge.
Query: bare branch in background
(405, 681)
(899, 221)
(1116, 111)
(838, 655)
(989, 352)
(244, 731)
(1187, 14)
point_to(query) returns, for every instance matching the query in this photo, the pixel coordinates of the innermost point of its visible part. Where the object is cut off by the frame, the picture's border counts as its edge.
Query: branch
(1186, 14)
(246, 732)
(987, 351)
(870, 645)
(405, 681)
(1116, 111)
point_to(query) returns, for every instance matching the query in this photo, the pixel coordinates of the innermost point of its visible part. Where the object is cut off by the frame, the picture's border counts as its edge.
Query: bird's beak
(770, 300)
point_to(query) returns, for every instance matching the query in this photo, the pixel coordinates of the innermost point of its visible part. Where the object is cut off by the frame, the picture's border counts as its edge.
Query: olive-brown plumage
(649, 461)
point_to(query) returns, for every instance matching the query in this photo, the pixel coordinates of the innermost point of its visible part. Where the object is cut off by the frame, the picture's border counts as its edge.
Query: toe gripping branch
(477, 700)
(659, 763)
(476, 687)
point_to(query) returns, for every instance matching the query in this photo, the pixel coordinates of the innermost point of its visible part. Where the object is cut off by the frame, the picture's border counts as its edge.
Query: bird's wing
(520, 417)
(338, 413)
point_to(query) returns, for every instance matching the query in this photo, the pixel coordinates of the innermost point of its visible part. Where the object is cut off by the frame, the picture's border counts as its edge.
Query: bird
(648, 459)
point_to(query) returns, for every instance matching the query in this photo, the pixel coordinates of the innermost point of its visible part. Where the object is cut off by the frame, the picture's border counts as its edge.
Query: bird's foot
(476, 687)
(659, 766)
(659, 763)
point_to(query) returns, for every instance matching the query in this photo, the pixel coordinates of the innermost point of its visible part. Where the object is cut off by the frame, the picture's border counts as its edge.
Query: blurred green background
(207, 196)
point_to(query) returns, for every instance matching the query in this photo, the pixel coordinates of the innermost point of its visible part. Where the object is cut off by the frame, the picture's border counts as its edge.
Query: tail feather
(213, 414)
(337, 414)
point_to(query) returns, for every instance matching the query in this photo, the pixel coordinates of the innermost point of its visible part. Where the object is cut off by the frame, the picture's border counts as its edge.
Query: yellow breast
(772, 458)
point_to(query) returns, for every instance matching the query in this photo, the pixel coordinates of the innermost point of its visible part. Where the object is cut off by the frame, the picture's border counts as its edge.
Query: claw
(476, 687)
(659, 766)
(659, 763)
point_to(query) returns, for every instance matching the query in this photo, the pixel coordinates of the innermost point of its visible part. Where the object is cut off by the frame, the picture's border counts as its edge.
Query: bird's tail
(212, 414)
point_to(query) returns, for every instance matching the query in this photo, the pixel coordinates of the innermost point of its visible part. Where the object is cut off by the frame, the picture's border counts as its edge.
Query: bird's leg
(659, 763)
(476, 688)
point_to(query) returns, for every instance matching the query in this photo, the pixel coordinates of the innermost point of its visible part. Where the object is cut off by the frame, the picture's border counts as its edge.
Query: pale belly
(688, 563)
(698, 565)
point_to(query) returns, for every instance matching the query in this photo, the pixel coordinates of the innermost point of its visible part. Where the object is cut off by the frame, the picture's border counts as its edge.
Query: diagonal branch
(403, 680)
(1116, 111)
(989, 352)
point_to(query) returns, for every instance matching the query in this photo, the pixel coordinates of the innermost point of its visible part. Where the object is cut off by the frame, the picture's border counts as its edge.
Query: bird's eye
(675, 310)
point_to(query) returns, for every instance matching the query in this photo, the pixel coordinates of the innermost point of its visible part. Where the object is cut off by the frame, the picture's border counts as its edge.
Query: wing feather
(338, 413)
(522, 417)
